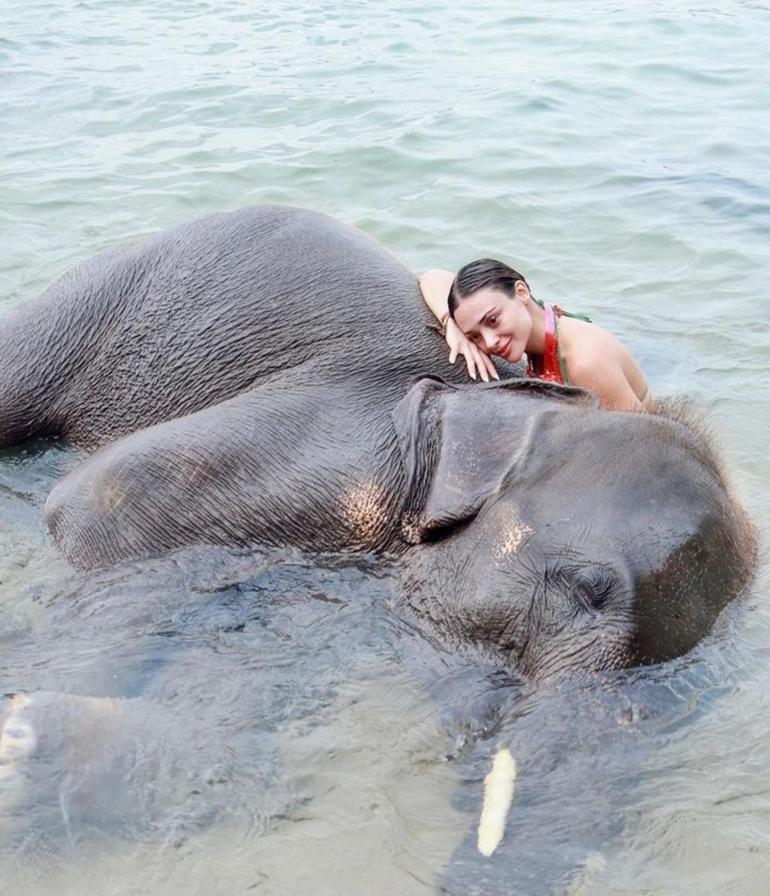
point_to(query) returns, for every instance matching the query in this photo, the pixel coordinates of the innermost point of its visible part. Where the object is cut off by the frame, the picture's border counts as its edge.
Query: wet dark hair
(480, 274)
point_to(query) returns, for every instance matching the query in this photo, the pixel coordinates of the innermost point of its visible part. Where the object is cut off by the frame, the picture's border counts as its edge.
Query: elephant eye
(592, 587)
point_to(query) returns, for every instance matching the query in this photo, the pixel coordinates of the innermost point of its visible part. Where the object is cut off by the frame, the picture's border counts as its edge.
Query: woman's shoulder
(582, 341)
(597, 359)
(589, 349)
(590, 340)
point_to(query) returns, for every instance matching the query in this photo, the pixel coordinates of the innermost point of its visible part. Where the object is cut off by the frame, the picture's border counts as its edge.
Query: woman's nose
(490, 340)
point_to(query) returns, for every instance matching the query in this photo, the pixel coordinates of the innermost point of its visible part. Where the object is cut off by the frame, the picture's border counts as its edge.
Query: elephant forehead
(615, 476)
(620, 503)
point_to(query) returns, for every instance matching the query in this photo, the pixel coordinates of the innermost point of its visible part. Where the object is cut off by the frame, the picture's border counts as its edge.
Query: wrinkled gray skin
(246, 379)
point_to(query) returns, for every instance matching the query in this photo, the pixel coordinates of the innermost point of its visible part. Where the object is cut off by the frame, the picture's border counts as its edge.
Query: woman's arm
(435, 286)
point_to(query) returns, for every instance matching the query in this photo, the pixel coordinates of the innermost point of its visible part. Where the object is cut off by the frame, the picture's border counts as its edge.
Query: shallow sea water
(261, 721)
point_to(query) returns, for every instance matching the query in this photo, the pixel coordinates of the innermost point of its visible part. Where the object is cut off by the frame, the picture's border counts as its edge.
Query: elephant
(270, 376)
(158, 706)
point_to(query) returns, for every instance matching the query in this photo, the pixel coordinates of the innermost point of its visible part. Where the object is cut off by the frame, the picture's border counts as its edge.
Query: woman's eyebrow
(486, 314)
(471, 334)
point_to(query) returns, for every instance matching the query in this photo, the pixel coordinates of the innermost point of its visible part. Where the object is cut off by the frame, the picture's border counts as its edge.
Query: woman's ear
(521, 291)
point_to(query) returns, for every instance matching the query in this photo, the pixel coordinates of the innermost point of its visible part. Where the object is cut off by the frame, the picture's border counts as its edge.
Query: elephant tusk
(498, 796)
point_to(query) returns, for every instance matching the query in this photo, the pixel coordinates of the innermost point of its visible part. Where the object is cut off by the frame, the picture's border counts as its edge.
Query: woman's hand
(475, 359)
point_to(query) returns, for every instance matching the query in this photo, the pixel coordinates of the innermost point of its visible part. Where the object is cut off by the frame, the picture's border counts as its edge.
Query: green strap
(573, 314)
(562, 366)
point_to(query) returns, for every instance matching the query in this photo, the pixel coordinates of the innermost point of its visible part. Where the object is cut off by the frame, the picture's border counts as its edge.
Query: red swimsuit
(549, 366)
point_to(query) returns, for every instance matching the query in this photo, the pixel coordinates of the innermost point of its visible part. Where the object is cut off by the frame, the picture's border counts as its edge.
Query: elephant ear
(458, 443)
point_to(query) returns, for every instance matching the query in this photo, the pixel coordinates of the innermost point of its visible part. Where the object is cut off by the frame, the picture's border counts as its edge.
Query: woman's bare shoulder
(595, 342)
(602, 362)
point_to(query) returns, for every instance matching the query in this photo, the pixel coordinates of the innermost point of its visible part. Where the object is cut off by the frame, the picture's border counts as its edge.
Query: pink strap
(550, 323)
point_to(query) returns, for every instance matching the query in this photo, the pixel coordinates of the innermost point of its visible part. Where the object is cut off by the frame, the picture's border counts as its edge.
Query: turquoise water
(615, 153)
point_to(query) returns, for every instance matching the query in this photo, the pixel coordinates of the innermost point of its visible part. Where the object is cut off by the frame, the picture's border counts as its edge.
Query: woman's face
(497, 324)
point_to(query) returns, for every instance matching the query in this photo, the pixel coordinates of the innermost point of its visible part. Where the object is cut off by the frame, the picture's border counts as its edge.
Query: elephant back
(215, 307)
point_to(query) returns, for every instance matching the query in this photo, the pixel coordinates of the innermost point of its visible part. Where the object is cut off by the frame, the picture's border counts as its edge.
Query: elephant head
(560, 537)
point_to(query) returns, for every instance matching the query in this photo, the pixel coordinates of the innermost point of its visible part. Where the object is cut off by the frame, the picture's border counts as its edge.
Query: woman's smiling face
(497, 324)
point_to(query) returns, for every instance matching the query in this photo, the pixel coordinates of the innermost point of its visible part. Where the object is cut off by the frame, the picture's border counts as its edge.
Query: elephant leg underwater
(298, 471)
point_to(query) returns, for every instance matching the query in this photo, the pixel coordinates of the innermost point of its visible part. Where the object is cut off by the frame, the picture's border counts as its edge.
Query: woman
(487, 309)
